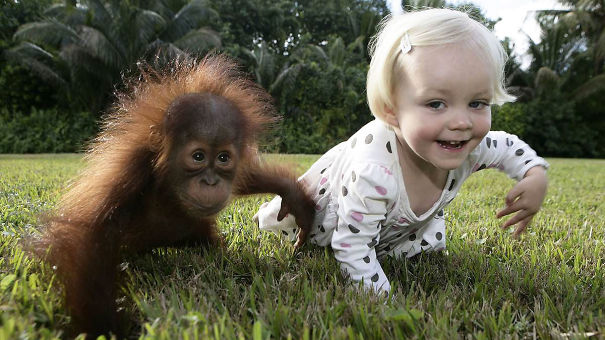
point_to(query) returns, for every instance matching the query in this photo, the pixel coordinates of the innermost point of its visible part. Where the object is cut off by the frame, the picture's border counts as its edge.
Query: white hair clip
(405, 44)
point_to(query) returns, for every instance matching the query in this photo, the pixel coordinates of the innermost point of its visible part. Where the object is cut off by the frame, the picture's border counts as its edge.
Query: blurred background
(61, 62)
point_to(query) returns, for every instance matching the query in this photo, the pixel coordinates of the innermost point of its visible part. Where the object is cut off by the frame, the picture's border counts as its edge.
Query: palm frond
(337, 51)
(354, 24)
(600, 46)
(250, 54)
(161, 53)
(37, 60)
(418, 4)
(369, 20)
(266, 65)
(189, 17)
(27, 49)
(67, 14)
(48, 33)
(148, 24)
(199, 41)
(358, 44)
(593, 85)
(98, 12)
(591, 5)
(286, 79)
(101, 47)
(86, 69)
(318, 52)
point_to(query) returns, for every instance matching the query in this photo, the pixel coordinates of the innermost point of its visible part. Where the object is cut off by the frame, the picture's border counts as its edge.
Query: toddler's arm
(362, 205)
(518, 160)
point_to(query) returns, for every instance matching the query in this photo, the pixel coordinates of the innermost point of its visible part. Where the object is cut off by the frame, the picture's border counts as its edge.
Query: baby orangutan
(168, 159)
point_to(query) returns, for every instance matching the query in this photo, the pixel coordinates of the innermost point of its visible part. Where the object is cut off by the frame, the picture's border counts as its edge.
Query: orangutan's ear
(155, 138)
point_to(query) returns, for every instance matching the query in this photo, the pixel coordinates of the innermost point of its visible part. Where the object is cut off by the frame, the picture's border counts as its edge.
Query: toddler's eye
(478, 105)
(436, 105)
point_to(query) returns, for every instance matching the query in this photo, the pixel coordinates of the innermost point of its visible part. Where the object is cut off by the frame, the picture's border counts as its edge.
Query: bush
(554, 126)
(555, 129)
(510, 118)
(20, 90)
(327, 107)
(298, 134)
(45, 131)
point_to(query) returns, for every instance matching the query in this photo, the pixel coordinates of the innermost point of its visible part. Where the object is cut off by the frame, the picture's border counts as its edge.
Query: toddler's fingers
(513, 194)
(521, 215)
(509, 209)
(522, 226)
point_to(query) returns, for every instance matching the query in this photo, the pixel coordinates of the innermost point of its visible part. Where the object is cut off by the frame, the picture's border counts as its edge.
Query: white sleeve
(507, 153)
(366, 193)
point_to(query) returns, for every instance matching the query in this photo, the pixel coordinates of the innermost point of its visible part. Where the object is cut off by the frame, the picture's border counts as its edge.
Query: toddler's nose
(460, 120)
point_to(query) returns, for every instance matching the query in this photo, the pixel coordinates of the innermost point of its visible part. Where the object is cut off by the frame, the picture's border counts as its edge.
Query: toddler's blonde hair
(425, 28)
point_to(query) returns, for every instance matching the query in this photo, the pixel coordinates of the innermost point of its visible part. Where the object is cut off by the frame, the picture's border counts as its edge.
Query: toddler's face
(442, 104)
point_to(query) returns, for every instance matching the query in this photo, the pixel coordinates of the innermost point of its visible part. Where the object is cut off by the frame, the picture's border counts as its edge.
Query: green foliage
(20, 90)
(15, 13)
(561, 94)
(310, 55)
(509, 117)
(326, 107)
(555, 125)
(246, 23)
(560, 100)
(558, 130)
(84, 47)
(45, 131)
(592, 111)
(549, 284)
(584, 19)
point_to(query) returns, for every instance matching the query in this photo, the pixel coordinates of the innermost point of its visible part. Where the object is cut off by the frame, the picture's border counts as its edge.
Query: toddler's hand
(526, 198)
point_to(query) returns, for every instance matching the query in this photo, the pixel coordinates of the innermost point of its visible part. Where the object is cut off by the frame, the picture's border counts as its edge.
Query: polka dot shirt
(363, 211)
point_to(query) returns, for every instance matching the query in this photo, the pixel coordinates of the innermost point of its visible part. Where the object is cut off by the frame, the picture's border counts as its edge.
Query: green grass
(548, 284)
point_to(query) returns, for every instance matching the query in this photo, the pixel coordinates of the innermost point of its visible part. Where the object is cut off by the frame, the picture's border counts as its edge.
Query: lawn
(548, 284)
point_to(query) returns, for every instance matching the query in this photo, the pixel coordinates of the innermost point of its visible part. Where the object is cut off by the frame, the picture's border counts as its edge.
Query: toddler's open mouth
(452, 144)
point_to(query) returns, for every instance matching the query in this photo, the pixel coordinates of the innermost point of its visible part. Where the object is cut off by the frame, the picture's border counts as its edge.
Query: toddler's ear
(390, 116)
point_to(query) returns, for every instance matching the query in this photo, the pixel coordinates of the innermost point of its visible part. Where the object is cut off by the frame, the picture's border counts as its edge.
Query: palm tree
(560, 95)
(267, 71)
(559, 59)
(363, 27)
(419, 4)
(584, 20)
(554, 56)
(84, 46)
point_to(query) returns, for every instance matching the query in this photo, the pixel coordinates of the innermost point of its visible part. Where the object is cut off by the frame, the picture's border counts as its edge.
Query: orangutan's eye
(223, 157)
(198, 156)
